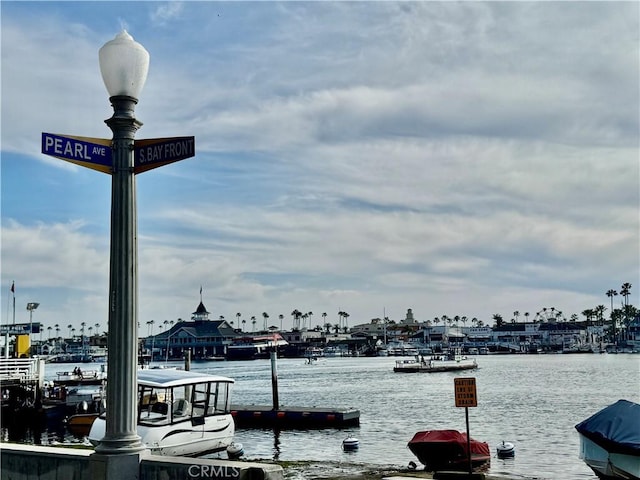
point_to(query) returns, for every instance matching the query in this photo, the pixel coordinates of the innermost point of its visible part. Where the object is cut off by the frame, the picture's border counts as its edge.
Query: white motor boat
(180, 413)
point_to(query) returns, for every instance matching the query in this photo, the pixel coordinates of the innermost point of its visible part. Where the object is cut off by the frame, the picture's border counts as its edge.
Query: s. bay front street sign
(157, 152)
(95, 153)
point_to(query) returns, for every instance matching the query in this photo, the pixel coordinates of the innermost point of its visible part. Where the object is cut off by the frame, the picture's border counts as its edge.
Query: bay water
(533, 401)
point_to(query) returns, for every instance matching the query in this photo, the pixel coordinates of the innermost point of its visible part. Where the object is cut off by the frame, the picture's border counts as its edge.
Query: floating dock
(259, 416)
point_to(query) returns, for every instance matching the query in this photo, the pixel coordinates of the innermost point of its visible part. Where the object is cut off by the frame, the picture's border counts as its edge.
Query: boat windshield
(164, 405)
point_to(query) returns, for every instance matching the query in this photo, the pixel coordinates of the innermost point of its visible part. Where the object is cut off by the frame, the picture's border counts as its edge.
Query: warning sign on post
(466, 392)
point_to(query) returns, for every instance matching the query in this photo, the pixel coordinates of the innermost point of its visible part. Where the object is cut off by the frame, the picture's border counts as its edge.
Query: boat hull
(181, 438)
(80, 425)
(607, 465)
(412, 366)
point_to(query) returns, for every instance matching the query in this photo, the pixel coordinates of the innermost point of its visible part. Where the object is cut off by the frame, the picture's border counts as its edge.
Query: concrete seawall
(29, 462)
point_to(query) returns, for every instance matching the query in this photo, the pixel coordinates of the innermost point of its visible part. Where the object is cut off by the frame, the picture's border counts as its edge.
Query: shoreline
(313, 470)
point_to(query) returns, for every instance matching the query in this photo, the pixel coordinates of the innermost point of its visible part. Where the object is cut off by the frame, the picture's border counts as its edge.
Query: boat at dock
(451, 361)
(610, 441)
(180, 412)
(448, 450)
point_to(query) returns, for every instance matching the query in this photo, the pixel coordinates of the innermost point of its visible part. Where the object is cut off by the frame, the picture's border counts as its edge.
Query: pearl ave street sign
(95, 153)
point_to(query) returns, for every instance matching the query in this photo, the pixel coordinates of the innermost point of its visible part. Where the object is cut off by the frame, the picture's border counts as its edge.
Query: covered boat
(447, 450)
(610, 441)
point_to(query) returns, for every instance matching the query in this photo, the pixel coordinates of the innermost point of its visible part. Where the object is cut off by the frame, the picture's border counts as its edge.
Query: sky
(469, 159)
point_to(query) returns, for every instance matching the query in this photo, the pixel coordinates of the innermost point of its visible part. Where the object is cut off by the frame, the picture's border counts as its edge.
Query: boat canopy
(615, 428)
(167, 378)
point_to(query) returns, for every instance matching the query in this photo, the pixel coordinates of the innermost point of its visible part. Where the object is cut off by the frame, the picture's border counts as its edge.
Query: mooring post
(274, 378)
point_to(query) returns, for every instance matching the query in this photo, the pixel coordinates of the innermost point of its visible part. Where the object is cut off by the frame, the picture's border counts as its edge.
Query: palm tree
(49, 328)
(97, 325)
(281, 317)
(625, 291)
(243, 323)
(69, 327)
(253, 323)
(265, 315)
(296, 314)
(516, 314)
(498, 319)
(526, 317)
(238, 315)
(345, 315)
(612, 293)
(73, 332)
(324, 318)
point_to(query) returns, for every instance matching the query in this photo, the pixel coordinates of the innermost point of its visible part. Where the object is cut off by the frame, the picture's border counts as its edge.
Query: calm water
(533, 401)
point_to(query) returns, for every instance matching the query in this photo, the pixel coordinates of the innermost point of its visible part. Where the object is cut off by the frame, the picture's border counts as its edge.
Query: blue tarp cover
(615, 428)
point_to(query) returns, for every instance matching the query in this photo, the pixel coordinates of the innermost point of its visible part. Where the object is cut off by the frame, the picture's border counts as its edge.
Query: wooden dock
(260, 416)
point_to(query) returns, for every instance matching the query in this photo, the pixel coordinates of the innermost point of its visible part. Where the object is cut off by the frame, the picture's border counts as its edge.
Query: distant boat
(447, 450)
(254, 347)
(78, 377)
(452, 361)
(610, 441)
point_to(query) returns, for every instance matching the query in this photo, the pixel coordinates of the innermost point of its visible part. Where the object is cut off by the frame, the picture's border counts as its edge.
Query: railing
(19, 370)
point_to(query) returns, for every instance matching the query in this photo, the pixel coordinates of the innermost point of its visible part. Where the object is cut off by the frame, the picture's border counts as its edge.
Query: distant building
(205, 338)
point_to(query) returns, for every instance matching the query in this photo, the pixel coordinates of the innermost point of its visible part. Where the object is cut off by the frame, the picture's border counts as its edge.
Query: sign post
(465, 388)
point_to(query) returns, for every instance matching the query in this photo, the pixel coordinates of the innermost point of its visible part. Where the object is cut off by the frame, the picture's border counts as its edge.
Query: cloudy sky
(368, 157)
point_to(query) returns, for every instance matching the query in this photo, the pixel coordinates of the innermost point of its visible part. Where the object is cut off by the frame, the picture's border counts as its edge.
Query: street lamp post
(124, 65)
(31, 306)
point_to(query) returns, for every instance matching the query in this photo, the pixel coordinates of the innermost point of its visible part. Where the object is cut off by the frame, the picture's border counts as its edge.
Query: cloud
(455, 158)
(167, 12)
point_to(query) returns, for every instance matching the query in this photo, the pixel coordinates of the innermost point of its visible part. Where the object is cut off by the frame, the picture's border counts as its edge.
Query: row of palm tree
(618, 317)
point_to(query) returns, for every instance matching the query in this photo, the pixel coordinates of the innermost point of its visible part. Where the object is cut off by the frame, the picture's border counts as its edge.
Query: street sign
(94, 153)
(465, 392)
(20, 328)
(156, 152)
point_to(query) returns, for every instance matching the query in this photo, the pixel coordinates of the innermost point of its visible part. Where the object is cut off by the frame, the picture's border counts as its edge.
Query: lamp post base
(116, 467)
(123, 445)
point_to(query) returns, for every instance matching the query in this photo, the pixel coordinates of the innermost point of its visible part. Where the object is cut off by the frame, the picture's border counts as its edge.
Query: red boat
(447, 450)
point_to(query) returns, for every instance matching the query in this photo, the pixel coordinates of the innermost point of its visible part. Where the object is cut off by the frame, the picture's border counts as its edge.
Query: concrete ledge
(19, 462)
(156, 467)
(33, 462)
(446, 475)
